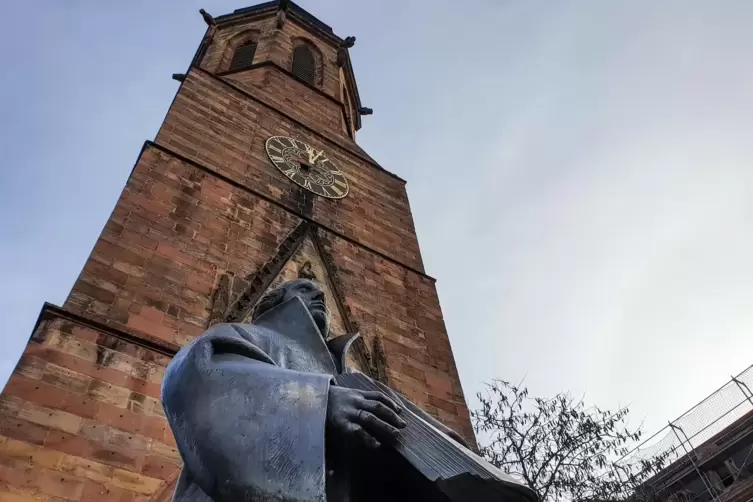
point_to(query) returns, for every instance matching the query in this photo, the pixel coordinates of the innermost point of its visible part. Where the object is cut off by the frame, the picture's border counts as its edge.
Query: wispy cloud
(579, 172)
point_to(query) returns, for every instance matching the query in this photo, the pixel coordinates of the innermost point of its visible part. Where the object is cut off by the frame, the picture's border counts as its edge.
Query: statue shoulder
(238, 334)
(247, 331)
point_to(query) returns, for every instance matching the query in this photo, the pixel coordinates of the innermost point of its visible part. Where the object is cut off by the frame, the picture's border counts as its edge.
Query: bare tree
(563, 449)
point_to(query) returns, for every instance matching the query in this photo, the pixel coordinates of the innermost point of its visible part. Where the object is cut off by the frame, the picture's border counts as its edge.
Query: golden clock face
(307, 167)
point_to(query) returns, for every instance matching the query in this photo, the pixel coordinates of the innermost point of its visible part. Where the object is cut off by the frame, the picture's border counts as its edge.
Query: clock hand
(310, 151)
(316, 157)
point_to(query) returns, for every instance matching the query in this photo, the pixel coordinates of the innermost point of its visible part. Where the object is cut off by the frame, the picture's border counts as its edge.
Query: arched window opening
(243, 57)
(304, 64)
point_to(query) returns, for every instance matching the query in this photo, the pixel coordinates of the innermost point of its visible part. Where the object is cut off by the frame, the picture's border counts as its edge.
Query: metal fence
(717, 422)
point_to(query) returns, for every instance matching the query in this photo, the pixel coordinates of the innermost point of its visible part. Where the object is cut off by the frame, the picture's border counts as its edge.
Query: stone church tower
(254, 178)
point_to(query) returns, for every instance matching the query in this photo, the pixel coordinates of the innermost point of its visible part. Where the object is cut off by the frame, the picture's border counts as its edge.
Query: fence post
(744, 389)
(690, 455)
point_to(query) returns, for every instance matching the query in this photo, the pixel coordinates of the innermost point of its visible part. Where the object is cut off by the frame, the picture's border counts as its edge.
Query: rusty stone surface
(70, 430)
(202, 202)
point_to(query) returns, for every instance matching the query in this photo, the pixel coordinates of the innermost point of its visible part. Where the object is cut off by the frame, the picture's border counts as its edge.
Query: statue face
(313, 297)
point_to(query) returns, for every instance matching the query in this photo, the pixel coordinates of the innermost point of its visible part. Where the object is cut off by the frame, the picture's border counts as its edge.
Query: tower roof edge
(301, 14)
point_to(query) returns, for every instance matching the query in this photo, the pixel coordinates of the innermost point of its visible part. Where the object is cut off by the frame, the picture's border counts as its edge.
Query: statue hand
(365, 415)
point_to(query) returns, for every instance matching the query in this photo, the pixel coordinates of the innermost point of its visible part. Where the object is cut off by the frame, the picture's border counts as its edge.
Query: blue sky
(579, 172)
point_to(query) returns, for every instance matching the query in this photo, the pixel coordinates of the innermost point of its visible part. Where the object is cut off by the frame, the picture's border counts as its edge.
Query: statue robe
(247, 404)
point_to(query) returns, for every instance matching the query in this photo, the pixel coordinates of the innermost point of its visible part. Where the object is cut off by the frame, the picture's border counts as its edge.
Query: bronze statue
(266, 412)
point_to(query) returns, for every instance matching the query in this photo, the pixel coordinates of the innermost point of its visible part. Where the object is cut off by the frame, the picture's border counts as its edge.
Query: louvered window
(304, 64)
(243, 56)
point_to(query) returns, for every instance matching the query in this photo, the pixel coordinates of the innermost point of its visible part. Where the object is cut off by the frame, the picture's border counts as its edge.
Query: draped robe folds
(247, 404)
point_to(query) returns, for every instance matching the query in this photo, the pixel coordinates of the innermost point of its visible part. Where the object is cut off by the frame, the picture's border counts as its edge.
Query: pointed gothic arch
(300, 254)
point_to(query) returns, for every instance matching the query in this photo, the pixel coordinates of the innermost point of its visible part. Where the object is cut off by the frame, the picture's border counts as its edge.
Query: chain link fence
(708, 449)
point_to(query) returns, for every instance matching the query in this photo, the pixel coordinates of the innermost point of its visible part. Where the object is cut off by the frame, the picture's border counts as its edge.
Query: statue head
(308, 291)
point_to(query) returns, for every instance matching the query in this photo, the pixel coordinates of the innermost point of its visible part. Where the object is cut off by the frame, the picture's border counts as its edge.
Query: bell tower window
(243, 57)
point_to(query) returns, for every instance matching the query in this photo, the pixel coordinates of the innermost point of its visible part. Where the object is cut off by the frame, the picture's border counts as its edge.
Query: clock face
(307, 167)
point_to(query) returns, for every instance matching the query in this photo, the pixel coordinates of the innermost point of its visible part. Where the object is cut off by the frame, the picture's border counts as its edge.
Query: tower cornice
(304, 18)
(307, 21)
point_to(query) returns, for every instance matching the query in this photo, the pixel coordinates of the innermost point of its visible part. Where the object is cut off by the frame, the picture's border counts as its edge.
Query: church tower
(255, 177)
